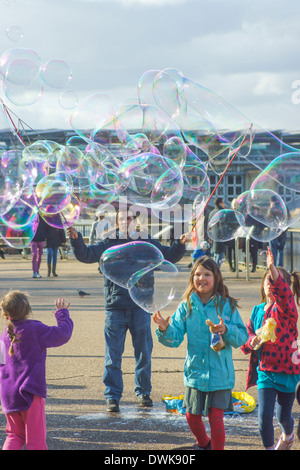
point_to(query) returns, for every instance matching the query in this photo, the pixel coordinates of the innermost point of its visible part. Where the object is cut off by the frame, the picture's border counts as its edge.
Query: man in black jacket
(122, 313)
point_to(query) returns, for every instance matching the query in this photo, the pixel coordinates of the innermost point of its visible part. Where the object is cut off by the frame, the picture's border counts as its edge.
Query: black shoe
(112, 406)
(144, 400)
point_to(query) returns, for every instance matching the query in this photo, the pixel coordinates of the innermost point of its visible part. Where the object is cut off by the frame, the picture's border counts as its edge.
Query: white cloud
(246, 51)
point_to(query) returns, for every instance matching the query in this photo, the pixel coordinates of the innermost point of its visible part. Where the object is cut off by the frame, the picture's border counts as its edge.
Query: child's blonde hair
(15, 306)
(219, 289)
(292, 279)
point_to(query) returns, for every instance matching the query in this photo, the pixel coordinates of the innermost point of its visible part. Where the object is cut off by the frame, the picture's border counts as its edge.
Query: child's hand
(72, 233)
(270, 264)
(255, 343)
(160, 321)
(219, 328)
(270, 258)
(60, 303)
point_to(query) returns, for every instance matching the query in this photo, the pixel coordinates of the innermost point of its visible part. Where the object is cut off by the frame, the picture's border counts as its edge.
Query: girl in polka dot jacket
(275, 366)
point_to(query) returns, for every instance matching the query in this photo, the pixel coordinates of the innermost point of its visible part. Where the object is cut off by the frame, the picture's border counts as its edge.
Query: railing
(291, 253)
(291, 250)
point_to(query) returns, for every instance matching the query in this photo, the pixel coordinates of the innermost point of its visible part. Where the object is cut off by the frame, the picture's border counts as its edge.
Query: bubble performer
(275, 365)
(208, 374)
(122, 313)
(23, 346)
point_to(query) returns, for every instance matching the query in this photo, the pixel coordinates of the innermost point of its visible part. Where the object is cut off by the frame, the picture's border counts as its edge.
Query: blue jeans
(117, 322)
(52, 256)
(277, 248)
(266, 405)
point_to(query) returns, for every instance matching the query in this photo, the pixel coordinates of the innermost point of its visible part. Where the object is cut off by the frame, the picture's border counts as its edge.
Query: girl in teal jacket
(211, 321)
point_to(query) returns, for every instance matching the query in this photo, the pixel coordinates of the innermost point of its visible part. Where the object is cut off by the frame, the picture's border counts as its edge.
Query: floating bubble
(265, 206)
(30, 63)
(263, 255)
(53, 193)
(56, 73)
(68, 99)
(92, 114)
(176, 149)
(20, 215)
(22, 94)
(14, 33)
(120, 262)
(67, 216)
(226, 225)
(282, 171)
(11, 180)
(18, 237)
(207, 121)
(155, 288)
(150, 179)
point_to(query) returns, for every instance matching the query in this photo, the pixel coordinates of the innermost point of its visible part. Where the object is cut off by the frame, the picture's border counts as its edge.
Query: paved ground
(75, 406)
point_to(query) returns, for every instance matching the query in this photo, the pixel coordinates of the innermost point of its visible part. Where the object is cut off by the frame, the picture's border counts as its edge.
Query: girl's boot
(54, 271)
(49, 269)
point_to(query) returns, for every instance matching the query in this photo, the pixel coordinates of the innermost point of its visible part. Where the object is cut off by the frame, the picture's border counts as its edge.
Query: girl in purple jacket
(23, 350)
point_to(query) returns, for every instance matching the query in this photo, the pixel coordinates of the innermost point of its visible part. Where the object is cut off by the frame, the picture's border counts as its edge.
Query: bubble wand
(222, 176)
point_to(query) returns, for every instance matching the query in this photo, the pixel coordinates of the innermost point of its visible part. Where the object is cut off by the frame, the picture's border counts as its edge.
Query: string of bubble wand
(222, 176)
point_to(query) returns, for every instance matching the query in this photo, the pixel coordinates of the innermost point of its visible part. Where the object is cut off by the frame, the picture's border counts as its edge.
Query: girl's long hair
(220, 290)
(292, 279)
(15, 306)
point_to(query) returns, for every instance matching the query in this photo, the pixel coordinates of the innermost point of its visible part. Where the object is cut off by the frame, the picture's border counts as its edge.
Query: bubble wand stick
(222, 176)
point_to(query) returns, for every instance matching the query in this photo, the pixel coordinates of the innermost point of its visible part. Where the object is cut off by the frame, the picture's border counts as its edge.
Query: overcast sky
(247, 51)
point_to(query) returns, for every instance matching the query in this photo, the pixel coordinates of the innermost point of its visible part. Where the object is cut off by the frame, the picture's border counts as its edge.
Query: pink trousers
(27, 428)
(37, 252)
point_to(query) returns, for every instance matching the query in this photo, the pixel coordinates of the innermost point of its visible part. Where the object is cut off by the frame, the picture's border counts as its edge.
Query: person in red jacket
(275, 364)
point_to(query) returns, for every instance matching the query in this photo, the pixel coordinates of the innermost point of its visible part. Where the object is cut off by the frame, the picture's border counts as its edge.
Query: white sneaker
(38, 275)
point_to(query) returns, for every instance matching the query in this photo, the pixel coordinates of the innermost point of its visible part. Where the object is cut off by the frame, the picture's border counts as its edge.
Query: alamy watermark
(296, 93)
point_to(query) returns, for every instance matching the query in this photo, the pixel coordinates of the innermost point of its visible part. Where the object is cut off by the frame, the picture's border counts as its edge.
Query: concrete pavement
(75, 406)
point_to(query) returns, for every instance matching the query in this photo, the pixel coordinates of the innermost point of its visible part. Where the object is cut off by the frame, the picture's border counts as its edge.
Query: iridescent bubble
(176, 149)
(120, 262)
(18, 237)
(155, 288)
(282, 171)
(206, 120)
(57, 73)
(265, 206)
(68, 99)
(53, 193)
(226, 225)
(20, 215)
(67, 216)
(11, 181)
(14, 33)
(30, 58)
(22, 82)
(151, 180)
(92, 114)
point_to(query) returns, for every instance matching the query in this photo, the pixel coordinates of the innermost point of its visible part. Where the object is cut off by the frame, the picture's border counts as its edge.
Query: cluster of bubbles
(139, 152)
(25, 76)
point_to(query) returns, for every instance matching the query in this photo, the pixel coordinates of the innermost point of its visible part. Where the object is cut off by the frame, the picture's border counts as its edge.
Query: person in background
(37, 246)
(55, 237)
(99, 228)
(218, 248)
(24, 344)
(200, 250)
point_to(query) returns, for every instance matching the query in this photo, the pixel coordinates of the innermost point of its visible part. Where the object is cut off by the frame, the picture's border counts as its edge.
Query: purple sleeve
(53, 336)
